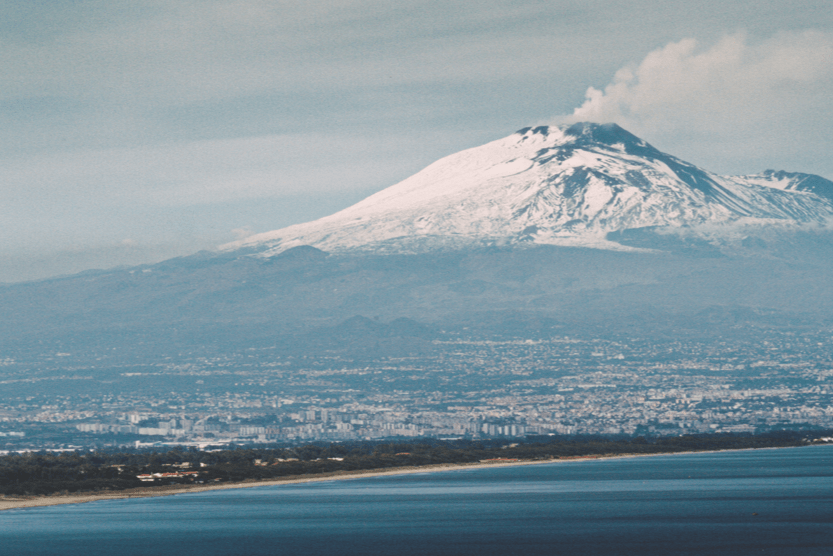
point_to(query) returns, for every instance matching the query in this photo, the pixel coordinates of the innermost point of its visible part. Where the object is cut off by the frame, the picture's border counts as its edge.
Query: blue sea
(732, 503)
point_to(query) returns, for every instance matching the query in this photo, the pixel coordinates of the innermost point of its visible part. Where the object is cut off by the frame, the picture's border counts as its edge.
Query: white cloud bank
(746, 100)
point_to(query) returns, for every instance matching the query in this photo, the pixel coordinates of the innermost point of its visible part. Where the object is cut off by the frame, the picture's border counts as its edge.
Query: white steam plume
(733, 92)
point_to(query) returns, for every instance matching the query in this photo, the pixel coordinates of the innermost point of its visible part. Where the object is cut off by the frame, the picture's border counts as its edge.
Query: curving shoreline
(13, 503)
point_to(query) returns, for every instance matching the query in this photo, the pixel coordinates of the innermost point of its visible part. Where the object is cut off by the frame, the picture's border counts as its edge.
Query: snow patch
(506, 169)
(570, 192)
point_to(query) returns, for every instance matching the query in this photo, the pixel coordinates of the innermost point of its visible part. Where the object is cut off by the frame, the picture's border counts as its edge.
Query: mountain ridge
(294, 290)
(557, 185)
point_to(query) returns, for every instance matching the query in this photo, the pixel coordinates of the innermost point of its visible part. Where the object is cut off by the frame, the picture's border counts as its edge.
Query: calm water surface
(732, 503)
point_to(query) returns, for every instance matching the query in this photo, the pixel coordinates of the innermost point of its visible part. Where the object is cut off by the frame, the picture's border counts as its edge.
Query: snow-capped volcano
(554, 185)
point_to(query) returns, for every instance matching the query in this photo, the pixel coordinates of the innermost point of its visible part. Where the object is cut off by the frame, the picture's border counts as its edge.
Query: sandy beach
(20, 502)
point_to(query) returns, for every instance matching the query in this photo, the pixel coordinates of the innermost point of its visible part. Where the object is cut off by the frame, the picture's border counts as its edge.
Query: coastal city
(457, 388)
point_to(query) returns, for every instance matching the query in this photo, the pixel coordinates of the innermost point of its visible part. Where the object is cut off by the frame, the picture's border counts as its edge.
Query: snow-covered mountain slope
(554, 185)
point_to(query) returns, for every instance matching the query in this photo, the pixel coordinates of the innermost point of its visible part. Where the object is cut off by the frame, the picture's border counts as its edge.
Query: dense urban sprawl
(455, 388)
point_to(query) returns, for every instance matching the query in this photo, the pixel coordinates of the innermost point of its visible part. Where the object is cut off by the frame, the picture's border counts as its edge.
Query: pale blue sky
(136, 131)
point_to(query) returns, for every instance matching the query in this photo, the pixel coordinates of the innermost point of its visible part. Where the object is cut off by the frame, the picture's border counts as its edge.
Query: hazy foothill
(594, 229)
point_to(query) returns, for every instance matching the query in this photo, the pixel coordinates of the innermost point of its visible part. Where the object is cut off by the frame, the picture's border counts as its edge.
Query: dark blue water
(732, 503)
